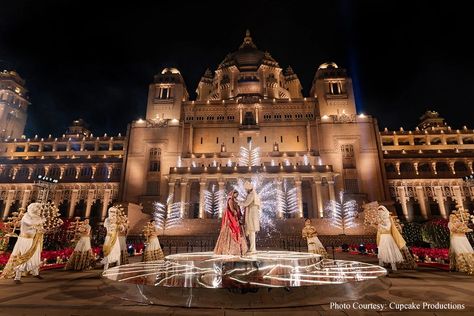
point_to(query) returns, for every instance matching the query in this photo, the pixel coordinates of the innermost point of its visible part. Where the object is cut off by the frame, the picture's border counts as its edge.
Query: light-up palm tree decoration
(249, 156)
(213, 201)
(342, 213)
(287, 200)
(167, 215)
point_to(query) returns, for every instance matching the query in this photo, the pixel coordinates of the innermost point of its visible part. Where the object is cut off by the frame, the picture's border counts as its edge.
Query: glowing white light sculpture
(167, 215)
(249, 156)
(287, 199)
(268, 198)
(214, 201)
(342, 213)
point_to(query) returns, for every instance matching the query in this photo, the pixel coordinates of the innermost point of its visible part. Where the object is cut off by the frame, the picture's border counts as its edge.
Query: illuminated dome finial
(170, 70)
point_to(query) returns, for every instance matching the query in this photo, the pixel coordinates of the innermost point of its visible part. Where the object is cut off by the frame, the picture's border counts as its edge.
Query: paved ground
(84, 294)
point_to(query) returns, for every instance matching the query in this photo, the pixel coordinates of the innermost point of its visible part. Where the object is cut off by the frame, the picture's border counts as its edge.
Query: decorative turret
(204, 88)
(166, 95)
(292, 83)
(13, 104)
(333, 88)
(432, 120)
(78, 127)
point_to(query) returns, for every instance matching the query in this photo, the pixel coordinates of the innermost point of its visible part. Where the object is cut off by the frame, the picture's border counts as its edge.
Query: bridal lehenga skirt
(461, 255)
(153, 251)
(82, 258)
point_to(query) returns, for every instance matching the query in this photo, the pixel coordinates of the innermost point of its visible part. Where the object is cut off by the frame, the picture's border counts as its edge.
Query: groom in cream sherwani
(252, 214)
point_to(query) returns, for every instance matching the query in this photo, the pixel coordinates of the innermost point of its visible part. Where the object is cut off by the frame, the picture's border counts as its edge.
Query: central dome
(248, 56)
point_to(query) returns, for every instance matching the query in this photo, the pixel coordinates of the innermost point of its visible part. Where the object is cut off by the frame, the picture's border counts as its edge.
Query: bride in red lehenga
(231, 241)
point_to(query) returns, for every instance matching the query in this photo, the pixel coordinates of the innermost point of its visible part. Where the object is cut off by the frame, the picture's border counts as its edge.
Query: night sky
(94, 60)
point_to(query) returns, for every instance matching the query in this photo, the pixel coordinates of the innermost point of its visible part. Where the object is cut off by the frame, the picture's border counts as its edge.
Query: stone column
(183, 187)
(90, 201)
(319, 197)
(299, 197)
(308, 137)
(202, 187)
(397, 167)
(451, 166)
(256, 114)
(240, 115)
(191, 138)
(420, 195)
(73, 202)
(57, 196)
(14, 172)
(222, 203)
(402, 198)
(439, 196)
(332, 195)
(469, 166)
(314, 210)
(26, 198)
(457, 195)
(105, 203)
(171, 186)
(8, 203)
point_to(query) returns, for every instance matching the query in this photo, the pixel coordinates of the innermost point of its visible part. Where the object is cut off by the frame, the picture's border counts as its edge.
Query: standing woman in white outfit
(26, 255)
(389, 240)
(82, 258)
(111, 246)
(460, 250)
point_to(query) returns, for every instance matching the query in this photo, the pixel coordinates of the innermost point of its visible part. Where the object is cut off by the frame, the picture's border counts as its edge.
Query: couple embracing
(235, 224)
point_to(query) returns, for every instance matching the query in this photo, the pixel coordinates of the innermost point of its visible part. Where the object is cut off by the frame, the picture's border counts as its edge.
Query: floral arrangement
(439, 255)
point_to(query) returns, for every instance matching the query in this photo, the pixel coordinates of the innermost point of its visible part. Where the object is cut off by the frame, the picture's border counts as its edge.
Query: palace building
(318, 143)
(425, 167)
